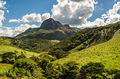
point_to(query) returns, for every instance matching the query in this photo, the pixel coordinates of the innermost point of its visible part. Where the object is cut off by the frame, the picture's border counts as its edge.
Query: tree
(9, 57)
(70, 70)
(58, 53)
(92, 71)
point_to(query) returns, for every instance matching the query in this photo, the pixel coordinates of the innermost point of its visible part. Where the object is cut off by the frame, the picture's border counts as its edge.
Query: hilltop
(50, 30)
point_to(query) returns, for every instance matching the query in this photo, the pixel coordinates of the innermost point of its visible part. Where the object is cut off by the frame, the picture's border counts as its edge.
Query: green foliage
(92, 71)
(27, 64)
(53, 71)
(43, 60)
(33, 44)
(117, 76)
(25, 67)
(21, 56)
(55, 34)
(9, 57)
(58, 53)
(69, 70)
(5, 41)
(88, 37)
(4, 68)
(107, 53)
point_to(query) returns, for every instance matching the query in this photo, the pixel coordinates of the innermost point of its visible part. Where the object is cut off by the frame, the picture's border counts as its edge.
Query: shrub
(26, 63)
(25, 67)
(117, 76)
(9, 57)
(43, 60)
(92, 71)
(70, 70)
(53, 71)
(58, 53)
(21, 56)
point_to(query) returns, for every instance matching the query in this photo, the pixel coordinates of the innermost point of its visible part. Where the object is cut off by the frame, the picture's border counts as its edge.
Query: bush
(58, 53)
(25, 67)
(26, 63)
(43, 60)
(117, 76)
(9, 57)
(53, 71)
(69, 70)
(92, 71)
(21, 56)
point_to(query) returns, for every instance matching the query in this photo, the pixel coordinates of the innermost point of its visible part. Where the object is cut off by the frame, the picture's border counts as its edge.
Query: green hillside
(108, 53)
(5, 46)
(87, 37)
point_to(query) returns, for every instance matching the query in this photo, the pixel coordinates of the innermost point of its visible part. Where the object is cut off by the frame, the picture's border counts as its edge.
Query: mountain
(50, 30)
(50, 24)
(86, 38)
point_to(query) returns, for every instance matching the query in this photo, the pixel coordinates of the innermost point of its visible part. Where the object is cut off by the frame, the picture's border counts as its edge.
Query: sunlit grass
(5, 48)
(4, 68)
(108, 53)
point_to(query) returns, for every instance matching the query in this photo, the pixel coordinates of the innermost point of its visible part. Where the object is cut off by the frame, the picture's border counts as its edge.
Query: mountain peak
(50, 24)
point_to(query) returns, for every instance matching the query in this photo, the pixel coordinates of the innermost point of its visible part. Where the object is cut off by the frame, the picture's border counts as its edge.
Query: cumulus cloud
(7, 31)
(2, 4)
(111, 16)
(1, 17)
(14, 20)
(45, 16)
(73, 12)
(7, 11)
(32, 18)
(22, 28)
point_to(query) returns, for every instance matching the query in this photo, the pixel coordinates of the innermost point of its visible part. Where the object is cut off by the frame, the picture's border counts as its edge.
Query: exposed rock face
(50, 24)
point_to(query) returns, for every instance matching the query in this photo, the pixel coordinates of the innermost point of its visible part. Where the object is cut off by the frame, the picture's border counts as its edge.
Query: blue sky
(26, 12)
(19, 8)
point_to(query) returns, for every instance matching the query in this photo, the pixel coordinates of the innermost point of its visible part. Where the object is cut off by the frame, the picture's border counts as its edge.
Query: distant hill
(50, 30)
(88, 37)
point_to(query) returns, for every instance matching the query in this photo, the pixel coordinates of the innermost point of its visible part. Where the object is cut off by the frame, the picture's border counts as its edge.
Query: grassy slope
(107, 53)
(5, 46)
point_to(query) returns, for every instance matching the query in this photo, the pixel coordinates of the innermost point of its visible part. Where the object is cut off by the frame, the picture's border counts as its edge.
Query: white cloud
(111, 16)
(45, 16)
(32, 18)
(23, 28)
(2, 4)
(69, 11)
(14, 20)
(7, 11)
(7, 31)
(1, 17)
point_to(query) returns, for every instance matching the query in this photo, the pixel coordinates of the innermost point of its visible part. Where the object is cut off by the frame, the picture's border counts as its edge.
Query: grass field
(6, 48)
(4, 68)
(107, 53)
